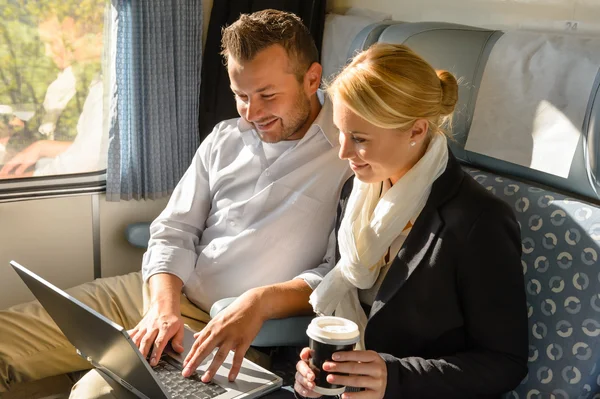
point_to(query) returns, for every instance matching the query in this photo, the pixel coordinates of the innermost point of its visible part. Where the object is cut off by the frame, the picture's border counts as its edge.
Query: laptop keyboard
(180, 387)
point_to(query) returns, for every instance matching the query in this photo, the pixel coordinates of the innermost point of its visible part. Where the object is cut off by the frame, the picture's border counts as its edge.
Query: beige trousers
(32, 347)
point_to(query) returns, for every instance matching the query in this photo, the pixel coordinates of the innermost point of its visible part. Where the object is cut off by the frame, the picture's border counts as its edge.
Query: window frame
(27, 188)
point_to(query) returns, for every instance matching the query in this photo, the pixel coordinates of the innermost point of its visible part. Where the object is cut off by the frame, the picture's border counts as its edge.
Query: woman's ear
(419, 130)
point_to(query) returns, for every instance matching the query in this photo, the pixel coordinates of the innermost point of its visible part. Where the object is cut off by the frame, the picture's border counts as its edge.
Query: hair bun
(449, 92)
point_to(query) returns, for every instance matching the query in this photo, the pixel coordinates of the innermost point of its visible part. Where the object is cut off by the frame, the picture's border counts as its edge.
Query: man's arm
(171, 257)
(282, 300)
(176, 232)
(236, 327)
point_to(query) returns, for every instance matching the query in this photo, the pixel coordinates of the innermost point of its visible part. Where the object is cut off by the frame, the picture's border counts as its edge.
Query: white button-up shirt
(236, 221)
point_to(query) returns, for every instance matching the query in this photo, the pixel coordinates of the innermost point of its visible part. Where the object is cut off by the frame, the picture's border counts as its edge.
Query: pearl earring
(413, 143)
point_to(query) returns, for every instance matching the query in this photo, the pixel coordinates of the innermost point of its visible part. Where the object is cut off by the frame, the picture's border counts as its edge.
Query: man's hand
(163, 321)
(233, 329)
(156, 328)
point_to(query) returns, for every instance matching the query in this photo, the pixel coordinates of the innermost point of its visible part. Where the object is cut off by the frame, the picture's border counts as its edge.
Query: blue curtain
(155, 92)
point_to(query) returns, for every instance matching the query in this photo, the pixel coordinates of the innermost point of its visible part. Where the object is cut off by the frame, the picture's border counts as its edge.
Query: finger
(360, 395)
(302, 390)
(357, 381)
(305, 354)
(303, 368)
(238, 358)
(199, 355)
(138, 338)
(305, 391)
(159, 344)
(137, 335)
(133, 335)
(352, 368)
(217, 361)
(146, 342)
(200, 338)
(304, 381)
(355, 356)
(22, 168)
(7, 169)
(177, 340)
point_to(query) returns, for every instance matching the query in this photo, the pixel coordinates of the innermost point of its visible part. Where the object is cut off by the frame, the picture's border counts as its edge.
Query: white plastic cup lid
(333, 330)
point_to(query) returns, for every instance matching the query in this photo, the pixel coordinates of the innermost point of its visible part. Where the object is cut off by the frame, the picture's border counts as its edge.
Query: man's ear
(419, 130)
(312, 78)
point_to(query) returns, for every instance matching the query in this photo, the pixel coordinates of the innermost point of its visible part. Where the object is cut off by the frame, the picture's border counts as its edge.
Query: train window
(52, 90)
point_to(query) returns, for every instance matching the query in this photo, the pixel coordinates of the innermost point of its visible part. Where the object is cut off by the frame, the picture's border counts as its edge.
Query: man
(253, 211)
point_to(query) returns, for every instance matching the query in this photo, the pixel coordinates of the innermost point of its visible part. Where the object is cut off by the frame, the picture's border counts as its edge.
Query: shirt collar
(243, 125)
(323, 121)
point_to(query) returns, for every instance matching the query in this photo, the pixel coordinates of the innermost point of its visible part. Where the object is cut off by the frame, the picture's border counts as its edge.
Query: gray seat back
(464, 51)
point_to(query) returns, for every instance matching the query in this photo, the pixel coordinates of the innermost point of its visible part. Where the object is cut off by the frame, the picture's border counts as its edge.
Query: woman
(428, 261)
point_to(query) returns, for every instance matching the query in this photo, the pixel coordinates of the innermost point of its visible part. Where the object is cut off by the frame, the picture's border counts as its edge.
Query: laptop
(108, 347)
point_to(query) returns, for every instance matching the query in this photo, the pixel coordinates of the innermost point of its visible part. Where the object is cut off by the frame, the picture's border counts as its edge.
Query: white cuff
(161, 259)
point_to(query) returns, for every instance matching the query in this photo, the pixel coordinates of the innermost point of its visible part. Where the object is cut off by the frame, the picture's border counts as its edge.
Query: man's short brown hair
(254, 32)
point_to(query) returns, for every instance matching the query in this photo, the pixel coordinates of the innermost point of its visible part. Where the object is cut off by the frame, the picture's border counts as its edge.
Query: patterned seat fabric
(561, 246)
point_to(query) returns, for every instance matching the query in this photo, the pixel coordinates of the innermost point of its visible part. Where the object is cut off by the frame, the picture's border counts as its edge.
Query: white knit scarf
(369, 227)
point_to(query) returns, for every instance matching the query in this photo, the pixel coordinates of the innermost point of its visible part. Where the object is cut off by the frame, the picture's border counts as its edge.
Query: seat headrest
(465, 51)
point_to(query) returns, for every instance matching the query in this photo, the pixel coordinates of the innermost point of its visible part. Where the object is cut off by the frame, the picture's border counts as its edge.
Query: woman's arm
(492, 292)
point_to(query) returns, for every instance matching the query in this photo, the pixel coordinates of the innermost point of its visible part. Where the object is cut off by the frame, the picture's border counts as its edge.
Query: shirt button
(232, 223)
(268, 173)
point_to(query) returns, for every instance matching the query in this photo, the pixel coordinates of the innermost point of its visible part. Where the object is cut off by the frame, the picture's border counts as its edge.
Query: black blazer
(450, 318)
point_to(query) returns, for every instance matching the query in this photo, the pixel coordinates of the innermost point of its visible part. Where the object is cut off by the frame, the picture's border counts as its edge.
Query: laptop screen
(104, 343)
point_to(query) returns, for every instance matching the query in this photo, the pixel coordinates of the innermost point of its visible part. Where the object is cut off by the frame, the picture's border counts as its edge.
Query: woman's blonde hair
(391, 87)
